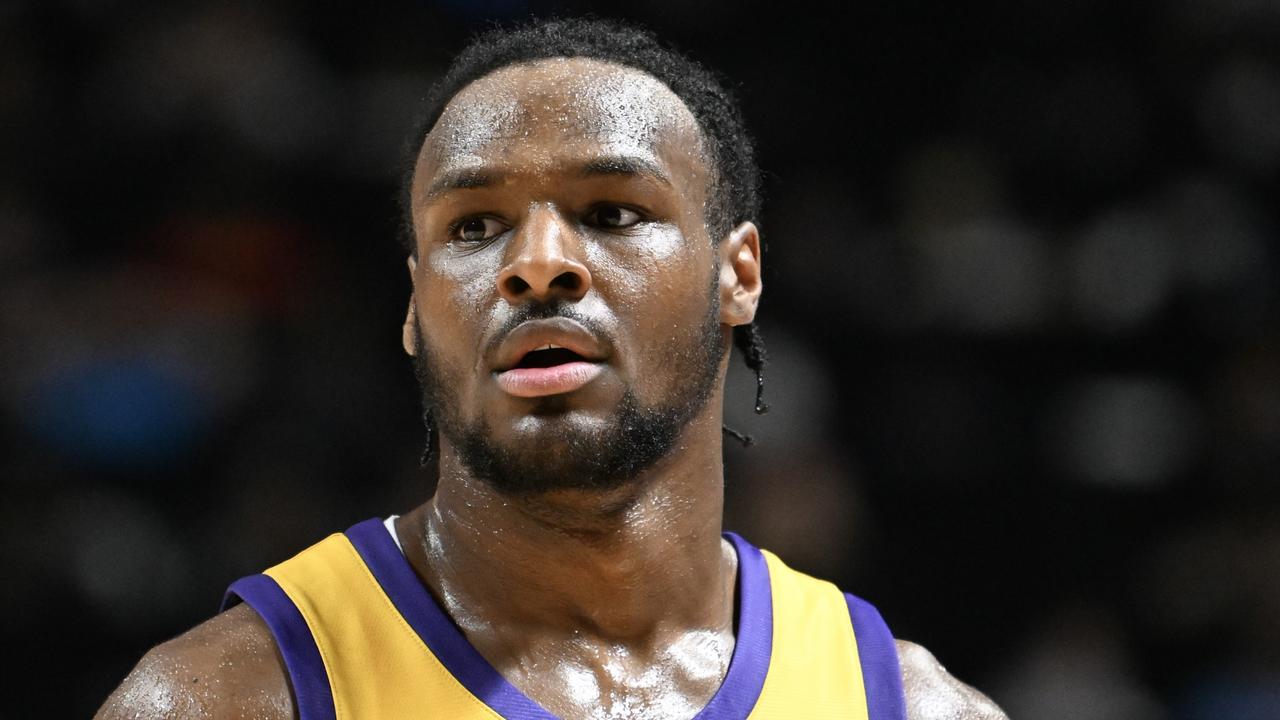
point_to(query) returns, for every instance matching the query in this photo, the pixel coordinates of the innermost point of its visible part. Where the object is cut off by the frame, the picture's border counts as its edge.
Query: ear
(410, 328)
(740, 284)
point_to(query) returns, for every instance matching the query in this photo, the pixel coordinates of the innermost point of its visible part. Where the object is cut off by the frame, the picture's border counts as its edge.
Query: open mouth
(549, 370)
(549, 356)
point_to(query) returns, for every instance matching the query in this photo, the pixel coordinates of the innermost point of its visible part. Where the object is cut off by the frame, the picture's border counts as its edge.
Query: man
(582, 258)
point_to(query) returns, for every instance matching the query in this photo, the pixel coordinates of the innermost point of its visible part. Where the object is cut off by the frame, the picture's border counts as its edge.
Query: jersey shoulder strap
(832, 655)
(349, 650)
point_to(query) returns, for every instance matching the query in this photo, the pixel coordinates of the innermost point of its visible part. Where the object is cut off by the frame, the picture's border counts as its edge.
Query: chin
(570, 450)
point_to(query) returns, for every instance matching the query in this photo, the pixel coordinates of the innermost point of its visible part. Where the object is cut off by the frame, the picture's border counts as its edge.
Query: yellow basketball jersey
(362, 638)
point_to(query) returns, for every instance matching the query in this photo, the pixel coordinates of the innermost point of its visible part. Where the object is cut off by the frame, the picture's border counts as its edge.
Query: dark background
(1021, 299)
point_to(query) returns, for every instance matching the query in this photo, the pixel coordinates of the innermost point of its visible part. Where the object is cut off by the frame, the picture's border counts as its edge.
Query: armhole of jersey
(302, 658)
(878, 653)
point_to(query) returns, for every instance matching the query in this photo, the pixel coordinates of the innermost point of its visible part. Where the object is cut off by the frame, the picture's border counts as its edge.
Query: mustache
(544, 311)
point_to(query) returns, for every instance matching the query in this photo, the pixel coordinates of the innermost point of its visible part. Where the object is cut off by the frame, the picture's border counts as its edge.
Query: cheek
(636, 268)
(658, 284)
(464, 279)
(455, 304)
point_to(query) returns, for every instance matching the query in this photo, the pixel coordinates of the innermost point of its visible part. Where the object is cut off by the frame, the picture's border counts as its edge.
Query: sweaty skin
(578, 182)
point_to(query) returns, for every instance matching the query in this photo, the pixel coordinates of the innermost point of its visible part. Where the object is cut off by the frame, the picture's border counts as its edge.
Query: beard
(602, 457)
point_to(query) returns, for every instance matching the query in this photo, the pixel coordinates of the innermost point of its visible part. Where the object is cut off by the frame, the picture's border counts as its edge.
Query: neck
(625, 565)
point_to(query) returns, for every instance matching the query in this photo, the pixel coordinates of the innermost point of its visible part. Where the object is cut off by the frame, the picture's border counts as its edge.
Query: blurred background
(1021, 301)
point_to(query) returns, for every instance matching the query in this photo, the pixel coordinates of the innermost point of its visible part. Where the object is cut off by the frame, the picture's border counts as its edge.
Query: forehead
(536, 112)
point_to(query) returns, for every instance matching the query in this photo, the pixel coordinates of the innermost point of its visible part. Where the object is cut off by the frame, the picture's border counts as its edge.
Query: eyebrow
(462, 179)
(621, 165)
(627, 165)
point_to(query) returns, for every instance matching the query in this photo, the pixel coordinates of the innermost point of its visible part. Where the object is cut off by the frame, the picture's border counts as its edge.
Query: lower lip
(554, 380)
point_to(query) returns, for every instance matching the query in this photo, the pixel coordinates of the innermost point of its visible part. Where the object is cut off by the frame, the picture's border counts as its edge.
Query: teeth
(551, 346)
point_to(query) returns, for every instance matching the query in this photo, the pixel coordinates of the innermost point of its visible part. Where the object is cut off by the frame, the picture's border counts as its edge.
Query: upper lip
(538, 334)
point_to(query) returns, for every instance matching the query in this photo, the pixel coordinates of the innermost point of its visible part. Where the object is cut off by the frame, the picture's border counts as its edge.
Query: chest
(363, 639)
(581, 681)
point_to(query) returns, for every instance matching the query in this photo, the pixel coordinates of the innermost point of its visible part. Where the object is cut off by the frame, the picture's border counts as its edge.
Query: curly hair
(734, 195)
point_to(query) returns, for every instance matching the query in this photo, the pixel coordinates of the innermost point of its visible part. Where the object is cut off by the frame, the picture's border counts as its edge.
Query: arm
(933, 694)
(226, 667)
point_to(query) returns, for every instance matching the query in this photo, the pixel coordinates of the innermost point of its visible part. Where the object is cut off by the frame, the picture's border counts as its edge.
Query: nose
(545, 262)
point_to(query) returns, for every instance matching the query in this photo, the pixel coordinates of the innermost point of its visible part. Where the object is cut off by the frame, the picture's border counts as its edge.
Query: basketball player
(583, 257)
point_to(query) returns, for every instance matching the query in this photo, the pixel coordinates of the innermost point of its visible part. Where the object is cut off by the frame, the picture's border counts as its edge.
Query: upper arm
(934, 694)
(226, 667)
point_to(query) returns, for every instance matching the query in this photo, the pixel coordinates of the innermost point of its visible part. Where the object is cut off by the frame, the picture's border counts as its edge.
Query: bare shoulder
(226, 667)
(933, 694)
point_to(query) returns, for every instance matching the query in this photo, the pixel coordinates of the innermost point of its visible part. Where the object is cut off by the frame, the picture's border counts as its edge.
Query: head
(579, 216)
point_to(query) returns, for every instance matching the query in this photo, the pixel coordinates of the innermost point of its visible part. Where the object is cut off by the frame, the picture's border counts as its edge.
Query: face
(570, 313)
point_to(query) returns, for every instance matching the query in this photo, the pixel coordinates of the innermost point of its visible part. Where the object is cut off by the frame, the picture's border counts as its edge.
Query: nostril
(568, 280)
(516, 285)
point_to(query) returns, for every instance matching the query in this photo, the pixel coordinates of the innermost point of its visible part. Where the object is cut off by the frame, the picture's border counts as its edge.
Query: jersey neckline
(733, 700)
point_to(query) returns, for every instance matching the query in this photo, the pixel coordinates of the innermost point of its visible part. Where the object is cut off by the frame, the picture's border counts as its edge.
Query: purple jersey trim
(733, 701)
(445, 640)
(878, 655)
(741, 688)
(301, 656)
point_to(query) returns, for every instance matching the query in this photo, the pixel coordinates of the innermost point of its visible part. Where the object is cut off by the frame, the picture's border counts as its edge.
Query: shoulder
(933, 694)
(226, 667)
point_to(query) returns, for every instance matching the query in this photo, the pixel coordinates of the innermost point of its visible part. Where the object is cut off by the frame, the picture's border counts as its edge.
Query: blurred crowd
(1022, 307)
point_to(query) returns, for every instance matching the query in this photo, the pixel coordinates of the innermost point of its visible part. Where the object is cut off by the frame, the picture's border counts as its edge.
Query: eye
(476, 230)
(613, 217)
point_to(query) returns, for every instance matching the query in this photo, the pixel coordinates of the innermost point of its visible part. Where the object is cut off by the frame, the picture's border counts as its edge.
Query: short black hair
(734, 195)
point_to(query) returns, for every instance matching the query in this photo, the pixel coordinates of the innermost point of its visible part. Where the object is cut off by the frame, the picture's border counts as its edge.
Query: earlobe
(410, 328)
(407, 332)
(740, 282)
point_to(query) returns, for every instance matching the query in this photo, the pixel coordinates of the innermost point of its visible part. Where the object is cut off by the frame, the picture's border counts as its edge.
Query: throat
(615, 580)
